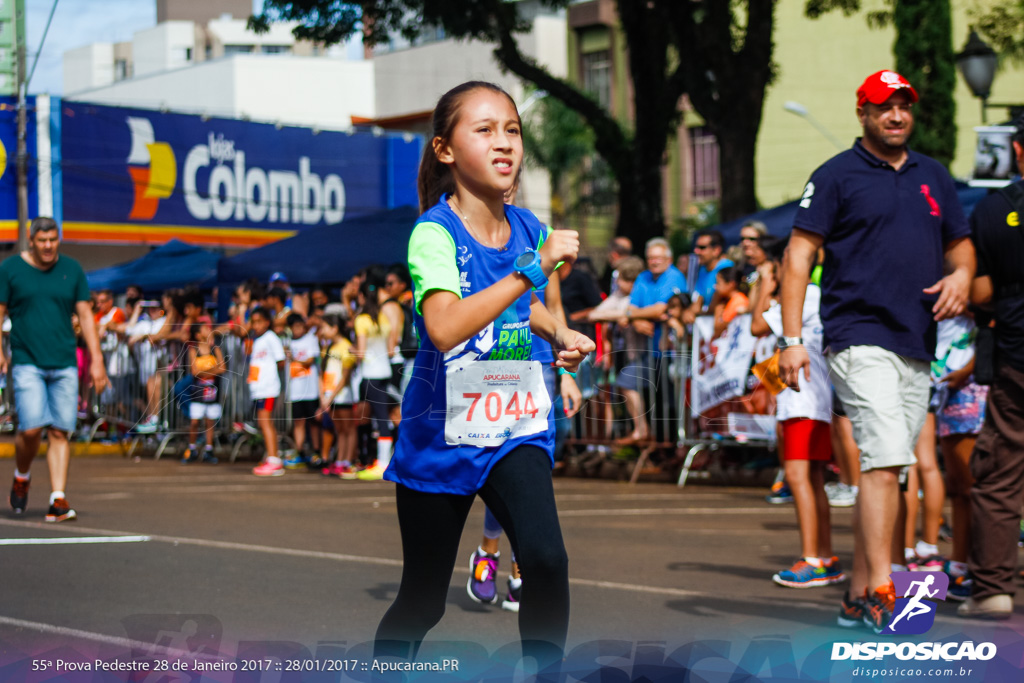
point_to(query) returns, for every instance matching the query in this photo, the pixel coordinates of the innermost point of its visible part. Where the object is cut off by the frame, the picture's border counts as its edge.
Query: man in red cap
(898, 258)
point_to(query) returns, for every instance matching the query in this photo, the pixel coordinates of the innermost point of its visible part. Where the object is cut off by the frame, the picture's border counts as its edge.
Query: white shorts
(886, 398)
(197, 411)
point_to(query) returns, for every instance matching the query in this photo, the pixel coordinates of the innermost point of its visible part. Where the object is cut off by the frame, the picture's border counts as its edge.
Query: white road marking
(624, 512)
(228, 545)
(72, 541)
(387, 562)
(119, 495)
(88, 635)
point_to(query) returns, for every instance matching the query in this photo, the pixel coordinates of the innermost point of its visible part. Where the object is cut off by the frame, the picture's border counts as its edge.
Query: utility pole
(23, 80)
(22, 152)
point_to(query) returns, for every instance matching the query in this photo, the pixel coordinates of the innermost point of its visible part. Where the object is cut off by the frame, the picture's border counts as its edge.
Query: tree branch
(610, 140)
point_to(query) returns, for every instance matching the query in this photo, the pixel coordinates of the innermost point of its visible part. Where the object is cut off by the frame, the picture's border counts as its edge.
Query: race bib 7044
(490, 402)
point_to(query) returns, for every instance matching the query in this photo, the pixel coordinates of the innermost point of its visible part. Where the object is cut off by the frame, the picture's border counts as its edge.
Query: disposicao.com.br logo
(914, 614)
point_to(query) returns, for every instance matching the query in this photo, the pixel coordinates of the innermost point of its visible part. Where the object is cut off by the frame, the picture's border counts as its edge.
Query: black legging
(375, 393)
(519, 493)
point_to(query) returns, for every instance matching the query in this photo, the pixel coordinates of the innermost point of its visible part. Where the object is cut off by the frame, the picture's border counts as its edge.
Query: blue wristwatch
(528, 263)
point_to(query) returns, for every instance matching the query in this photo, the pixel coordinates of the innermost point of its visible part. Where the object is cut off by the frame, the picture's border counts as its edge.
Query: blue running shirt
(443, 255)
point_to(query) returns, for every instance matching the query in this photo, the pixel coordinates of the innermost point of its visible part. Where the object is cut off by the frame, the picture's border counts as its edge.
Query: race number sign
(490, 402)
(722, 364)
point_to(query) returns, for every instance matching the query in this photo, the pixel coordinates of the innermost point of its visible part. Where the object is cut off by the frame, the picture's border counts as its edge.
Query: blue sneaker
(295, 462)
(804, 575)
(960, 588)
(834, 571)
(483, 568)
(780, 494)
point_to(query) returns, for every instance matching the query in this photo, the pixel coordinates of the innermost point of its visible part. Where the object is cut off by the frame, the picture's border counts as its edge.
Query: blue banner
(9, 168)
(142, 176)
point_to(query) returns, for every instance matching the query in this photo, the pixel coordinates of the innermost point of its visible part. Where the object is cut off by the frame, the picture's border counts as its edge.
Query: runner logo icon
(914, 612)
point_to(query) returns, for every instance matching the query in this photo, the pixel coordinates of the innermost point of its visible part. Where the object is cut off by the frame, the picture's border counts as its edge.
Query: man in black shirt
(998, 459)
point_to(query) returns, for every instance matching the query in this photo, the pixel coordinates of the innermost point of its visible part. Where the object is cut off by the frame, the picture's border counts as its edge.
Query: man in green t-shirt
(41, 290)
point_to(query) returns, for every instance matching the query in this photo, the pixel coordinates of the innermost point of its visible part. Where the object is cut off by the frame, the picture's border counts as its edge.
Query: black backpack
(409, 344)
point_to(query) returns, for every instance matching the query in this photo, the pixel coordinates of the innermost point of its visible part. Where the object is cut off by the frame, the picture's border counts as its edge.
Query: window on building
(704, 151)
(597, 76)
(238, 49)
(275, 49)
(181, 55)
(121, 70)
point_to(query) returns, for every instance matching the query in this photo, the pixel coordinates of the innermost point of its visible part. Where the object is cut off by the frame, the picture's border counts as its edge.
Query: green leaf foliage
(924, 56)
(1002, 24)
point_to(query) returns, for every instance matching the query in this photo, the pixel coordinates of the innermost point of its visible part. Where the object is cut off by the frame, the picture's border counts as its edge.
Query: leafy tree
(558, 140)
(924, 56)
(718, 52)
(1002, 24)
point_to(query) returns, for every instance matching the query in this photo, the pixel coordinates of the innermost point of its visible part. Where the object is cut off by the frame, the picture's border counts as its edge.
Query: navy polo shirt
(886, 232)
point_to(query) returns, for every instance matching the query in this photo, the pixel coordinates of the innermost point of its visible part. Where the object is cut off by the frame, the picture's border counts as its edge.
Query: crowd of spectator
(319, 373)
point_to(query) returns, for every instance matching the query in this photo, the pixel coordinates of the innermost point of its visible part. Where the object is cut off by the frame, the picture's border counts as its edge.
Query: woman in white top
(373, 332)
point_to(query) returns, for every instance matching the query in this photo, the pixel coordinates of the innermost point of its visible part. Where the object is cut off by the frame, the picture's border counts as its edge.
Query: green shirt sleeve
(545, 233)
(5, 283)
(432, 262)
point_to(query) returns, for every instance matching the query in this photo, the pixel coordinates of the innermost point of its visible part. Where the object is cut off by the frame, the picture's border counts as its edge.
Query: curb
(78, 449)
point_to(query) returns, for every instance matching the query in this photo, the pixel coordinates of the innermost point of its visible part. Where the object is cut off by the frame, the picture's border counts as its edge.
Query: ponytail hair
(435, 179)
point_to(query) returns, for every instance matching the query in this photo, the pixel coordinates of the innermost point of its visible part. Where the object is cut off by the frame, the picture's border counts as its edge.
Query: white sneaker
(840, 495)
(992, 607)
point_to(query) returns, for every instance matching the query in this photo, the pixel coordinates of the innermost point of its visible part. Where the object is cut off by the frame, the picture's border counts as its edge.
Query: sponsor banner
(134, 175)
(8, 165)
(724, 395)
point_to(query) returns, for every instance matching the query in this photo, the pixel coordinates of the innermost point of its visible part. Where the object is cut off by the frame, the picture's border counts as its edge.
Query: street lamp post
(535, 97)
(801, 111)
(977, 63)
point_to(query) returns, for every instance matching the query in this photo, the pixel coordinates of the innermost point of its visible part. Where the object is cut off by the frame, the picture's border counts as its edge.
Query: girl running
(476, 415)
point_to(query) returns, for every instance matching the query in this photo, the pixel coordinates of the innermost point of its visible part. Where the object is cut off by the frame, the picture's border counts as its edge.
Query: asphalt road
(300, 568)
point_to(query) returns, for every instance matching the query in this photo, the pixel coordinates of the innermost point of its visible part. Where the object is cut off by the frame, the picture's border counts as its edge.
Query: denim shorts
(45, 398)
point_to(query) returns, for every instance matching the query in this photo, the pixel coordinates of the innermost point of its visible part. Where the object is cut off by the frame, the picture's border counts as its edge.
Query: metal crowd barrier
(144, 382)
(696, 439)
(672, 426)
(604, 418)
(8, 418)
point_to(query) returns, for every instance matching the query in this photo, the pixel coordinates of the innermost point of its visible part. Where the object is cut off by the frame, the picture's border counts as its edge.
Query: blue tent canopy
(174, 264)
(779, 219)
(327, 253)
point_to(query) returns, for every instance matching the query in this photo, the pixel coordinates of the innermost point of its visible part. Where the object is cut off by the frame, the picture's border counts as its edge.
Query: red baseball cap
(880, 86)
